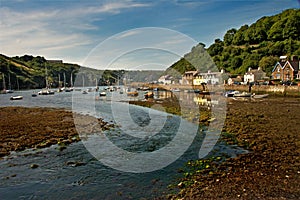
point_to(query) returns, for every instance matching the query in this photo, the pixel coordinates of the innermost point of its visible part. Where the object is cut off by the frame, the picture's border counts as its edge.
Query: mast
(9, 83)
(3, 82)
(18, 83)
(83, 81)
(46, 77)
(58, 80)
(64, 80)
(71, 79)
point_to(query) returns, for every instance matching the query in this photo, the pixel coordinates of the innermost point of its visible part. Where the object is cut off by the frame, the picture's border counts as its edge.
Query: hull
(16, 97)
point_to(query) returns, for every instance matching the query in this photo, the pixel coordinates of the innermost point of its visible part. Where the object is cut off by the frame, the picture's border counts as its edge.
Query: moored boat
(132, 94)
(260, 96)
(231, 93)
(243, 94)
(46, 92)
(16, 97)
(148, 95)
(102, 94)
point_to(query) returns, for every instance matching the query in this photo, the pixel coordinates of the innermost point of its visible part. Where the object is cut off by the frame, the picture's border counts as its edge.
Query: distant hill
(197, 59)
(29, 72)
(257, 45)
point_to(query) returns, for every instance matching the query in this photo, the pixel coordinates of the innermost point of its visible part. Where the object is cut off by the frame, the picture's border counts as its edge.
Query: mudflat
(22, 128)
(269, 128)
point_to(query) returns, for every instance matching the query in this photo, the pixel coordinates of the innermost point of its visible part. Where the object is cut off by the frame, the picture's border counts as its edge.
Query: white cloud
(52, 32)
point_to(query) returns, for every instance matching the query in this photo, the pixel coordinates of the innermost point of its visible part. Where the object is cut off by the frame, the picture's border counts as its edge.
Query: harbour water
(75, 173)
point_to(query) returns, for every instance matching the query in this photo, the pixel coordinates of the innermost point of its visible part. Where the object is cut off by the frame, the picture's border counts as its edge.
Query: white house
(254, 75)
(166, 79)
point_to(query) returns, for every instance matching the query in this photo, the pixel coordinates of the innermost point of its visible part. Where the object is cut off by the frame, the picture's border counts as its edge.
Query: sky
(123, 33)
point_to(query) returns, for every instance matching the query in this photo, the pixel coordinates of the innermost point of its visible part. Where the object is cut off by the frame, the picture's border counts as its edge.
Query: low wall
(280, 90)
(276, 90)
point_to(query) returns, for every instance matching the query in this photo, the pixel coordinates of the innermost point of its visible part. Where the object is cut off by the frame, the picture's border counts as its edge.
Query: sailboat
(4, 90)
(59, 86)
(70, 89)
(9, 86)
(46, 91)
(84, 91)
(3, 85)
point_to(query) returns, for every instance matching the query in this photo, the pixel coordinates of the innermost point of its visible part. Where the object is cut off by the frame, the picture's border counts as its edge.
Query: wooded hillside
(257, 45)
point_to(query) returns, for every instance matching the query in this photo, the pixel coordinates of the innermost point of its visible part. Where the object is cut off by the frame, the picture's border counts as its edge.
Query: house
(188, 77)
(208, 78)
(287, 70)
(254, 75)
(166, 79)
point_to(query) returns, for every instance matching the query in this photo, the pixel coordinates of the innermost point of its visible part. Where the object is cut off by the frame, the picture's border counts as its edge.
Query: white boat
(16, 97)
(5, 91)
(175, 90)
(231, 93)
(46, 92)
(243, 94)
(259, 96)
(102, 94)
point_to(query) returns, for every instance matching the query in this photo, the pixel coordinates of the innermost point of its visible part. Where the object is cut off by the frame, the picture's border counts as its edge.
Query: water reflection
(188, 99)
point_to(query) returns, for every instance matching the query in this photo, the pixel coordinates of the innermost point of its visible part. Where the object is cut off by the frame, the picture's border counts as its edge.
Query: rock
(33, 166)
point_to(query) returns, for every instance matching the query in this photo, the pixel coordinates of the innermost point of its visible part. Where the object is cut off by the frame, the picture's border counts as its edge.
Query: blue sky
(72, 29)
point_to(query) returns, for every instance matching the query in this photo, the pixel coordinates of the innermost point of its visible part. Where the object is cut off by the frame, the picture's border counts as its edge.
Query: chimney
(282, 58)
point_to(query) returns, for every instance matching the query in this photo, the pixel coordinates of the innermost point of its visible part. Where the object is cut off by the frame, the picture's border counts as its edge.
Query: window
(277, 76)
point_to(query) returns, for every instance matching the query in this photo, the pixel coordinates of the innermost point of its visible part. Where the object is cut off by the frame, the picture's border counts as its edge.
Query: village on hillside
(285, 72)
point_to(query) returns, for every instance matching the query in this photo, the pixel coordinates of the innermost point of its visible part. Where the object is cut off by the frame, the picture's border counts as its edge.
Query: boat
(175, 90)
(197, 91)
(102, 94)
(132, 94)
(259, 96)
(205, 92)
(231, 93)
(16, 97)
(148, 95)
(68, 89)
(46, 92)
(243, 94)
(5, 91)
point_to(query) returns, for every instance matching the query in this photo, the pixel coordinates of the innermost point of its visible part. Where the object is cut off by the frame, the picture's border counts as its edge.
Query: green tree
(239, 37)
(267, 63)
(228, 37)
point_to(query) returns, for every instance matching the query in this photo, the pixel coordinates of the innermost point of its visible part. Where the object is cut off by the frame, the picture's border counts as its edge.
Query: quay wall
(276, 90)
